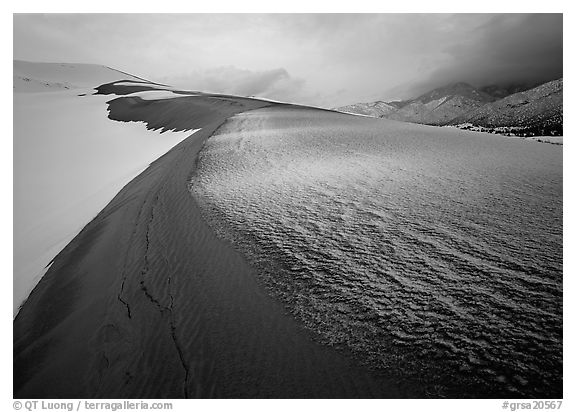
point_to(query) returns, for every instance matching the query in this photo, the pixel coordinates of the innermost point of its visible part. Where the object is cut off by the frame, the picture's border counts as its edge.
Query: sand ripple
(435, 255)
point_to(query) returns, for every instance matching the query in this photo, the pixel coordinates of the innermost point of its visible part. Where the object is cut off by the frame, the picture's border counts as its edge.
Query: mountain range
(519, 110)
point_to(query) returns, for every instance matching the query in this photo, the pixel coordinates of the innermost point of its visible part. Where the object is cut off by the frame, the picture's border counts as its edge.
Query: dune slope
(70, 160)
(47, 77)
(434, 254)
(146, 302)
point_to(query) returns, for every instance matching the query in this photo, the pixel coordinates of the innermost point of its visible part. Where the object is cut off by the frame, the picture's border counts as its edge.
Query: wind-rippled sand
(146, 301)
(434, 254)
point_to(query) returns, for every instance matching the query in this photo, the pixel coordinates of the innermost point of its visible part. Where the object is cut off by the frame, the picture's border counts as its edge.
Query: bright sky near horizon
(321, 59)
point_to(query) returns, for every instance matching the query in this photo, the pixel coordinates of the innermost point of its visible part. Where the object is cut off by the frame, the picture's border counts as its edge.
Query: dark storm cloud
(275, 83)
(323, 59)
(507, 49)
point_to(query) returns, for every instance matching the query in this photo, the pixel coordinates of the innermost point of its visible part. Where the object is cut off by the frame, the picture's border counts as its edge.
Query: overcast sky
(323, 59)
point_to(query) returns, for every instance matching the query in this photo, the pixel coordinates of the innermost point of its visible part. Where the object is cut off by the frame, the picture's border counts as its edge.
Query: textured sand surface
(69, 162)
(146, 302)
(404, 243)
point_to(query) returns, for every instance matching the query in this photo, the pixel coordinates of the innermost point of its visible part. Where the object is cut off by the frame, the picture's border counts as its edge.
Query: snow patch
(70, 160)
(158, 95)
(31, 77)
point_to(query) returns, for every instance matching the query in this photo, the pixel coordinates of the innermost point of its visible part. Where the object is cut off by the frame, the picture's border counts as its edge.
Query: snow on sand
(32, 77)
(70, 160)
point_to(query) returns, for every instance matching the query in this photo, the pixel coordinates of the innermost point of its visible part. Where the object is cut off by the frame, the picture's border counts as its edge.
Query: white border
(550, 6)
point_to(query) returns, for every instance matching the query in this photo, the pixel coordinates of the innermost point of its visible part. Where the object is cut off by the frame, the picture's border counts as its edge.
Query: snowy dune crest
(62, 129)
(31, 77)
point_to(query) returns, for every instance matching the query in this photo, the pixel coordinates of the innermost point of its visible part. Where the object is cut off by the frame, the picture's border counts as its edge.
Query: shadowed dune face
(433, 253)
(70, 160)
(123, 87)
(146, 302)
(183, 113)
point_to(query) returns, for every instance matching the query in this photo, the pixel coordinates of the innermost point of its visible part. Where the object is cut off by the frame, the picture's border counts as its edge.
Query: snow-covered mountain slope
(374, 109)
(435, 107)
(533, 112)
(539, 108)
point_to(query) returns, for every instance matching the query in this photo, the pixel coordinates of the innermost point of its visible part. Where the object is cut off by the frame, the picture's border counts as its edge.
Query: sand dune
(62, 139)
(404, 243)
(146, 302)
(69, 162)
(33, 77)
